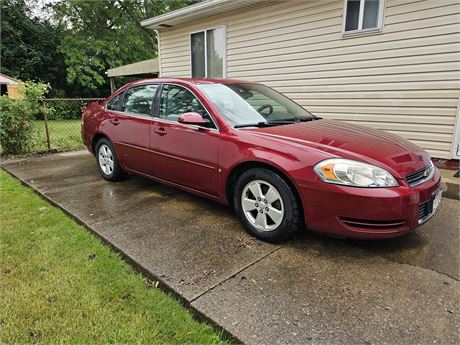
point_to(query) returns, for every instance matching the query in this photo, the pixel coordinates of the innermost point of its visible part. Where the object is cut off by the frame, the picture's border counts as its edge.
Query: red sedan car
(280, 167)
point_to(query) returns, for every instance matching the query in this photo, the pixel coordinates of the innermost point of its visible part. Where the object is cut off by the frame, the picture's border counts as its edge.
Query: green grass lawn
(60, 284)
(64, 135)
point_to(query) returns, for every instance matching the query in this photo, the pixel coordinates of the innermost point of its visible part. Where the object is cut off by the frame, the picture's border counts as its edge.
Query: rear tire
(267, 206)
(107, 161)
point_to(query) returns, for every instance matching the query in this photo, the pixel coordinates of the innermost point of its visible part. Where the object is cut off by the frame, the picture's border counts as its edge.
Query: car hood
(342, 139)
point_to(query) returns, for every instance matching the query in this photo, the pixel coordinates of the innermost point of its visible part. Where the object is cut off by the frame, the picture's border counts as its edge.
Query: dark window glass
(198, 55)
(371, 14)
(352, 19)
(177, 100)
(139, 99)
(114, 102)
(3, 90)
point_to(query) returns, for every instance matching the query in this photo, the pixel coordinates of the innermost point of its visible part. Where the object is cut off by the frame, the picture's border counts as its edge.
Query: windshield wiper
(297, 119)
(278, 122)
(258, 124)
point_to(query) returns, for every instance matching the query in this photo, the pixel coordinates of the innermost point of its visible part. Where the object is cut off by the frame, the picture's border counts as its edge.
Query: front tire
(107, 162)
(267, 206)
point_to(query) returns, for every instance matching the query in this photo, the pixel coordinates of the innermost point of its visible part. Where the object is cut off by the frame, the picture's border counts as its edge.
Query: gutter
(184, 12)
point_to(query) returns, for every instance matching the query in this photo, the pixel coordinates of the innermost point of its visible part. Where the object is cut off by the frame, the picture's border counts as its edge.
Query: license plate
(437, 200)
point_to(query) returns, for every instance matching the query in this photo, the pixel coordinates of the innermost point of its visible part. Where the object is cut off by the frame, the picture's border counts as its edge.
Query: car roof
(195, 81)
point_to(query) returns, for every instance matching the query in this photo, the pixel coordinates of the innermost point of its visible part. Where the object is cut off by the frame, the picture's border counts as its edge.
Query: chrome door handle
(160, 131)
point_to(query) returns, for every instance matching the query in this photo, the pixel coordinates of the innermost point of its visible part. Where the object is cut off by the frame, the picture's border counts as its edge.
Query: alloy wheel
(262, 205)
(106, 159)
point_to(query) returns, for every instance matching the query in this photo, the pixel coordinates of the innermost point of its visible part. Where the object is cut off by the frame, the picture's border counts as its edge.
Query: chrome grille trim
(420, 176)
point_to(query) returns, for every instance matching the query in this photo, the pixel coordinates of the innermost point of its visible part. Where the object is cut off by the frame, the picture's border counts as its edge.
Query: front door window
(177, 100)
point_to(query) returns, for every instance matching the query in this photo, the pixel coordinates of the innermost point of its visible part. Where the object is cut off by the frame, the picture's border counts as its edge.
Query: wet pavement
(311, 289)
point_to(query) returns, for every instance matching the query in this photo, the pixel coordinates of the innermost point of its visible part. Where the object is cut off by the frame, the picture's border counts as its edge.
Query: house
(388, 64)
(8, 86)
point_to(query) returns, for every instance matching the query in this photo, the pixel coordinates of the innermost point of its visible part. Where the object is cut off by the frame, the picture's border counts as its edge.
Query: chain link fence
(58, 128)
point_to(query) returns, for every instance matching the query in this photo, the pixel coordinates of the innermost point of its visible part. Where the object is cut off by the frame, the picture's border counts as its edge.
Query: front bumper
(366, 213)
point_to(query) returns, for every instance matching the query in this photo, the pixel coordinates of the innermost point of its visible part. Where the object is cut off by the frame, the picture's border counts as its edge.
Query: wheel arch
(241, 167)
(98, 136)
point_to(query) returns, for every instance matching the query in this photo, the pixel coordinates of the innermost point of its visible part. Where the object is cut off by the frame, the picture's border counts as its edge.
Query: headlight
(353, 173)
(430, 170)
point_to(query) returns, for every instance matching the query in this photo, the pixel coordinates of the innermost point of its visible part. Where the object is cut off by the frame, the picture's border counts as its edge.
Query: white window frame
(360, 29)
(224, 72)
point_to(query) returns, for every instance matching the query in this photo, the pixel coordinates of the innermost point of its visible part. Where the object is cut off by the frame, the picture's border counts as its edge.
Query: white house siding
(405, 80)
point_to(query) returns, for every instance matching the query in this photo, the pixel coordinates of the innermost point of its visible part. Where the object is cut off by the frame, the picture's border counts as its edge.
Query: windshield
(247, 104)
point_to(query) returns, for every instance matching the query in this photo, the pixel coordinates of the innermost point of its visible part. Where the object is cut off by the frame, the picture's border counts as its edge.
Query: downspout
(455, 151)
(157, 32)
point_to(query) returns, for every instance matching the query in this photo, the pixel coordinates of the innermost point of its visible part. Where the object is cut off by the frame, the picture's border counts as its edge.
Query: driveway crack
(235, 274)
(426, 268)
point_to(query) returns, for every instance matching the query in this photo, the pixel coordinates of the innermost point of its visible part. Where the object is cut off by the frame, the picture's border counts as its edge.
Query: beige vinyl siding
(405, 80)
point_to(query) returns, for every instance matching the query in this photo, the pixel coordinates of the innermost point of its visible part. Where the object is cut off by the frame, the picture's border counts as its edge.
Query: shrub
(64, 110)
(16, 128)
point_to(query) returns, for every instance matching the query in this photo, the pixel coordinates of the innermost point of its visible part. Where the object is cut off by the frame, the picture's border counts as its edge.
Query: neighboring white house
(8, 86)
(388, 64)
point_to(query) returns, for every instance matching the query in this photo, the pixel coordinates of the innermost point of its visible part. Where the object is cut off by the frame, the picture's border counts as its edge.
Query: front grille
(425, 210)
(420, 176)
(373, 224)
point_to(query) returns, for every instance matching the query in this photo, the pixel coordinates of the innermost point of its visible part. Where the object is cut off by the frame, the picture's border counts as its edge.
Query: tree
(107, 33)
(29, 46)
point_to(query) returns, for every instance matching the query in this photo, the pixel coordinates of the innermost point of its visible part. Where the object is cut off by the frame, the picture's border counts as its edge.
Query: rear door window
(139, 99)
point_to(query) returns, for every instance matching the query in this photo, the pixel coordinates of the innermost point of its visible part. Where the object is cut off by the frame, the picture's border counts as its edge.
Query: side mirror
(193, 119)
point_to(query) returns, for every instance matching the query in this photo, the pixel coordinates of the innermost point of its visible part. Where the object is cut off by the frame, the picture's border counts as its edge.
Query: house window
(3, 90)
(363, 15)
(208, 53)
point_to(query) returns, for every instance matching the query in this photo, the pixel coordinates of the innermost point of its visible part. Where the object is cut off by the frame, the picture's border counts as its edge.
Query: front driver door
(130, 124)
(184, 154)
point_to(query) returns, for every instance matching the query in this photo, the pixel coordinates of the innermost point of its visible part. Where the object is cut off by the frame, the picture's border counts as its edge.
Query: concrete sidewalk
(311, 290)
(450, 183)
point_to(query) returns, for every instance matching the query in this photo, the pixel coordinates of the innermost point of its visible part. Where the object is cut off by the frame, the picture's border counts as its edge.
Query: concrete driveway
(312, 289)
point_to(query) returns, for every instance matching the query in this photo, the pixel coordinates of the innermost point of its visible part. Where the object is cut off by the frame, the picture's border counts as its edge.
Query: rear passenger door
(130, 126)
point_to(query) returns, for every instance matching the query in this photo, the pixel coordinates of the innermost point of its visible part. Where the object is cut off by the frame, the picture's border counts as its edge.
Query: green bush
(15, 126)
(64, 110)
(16, 129)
